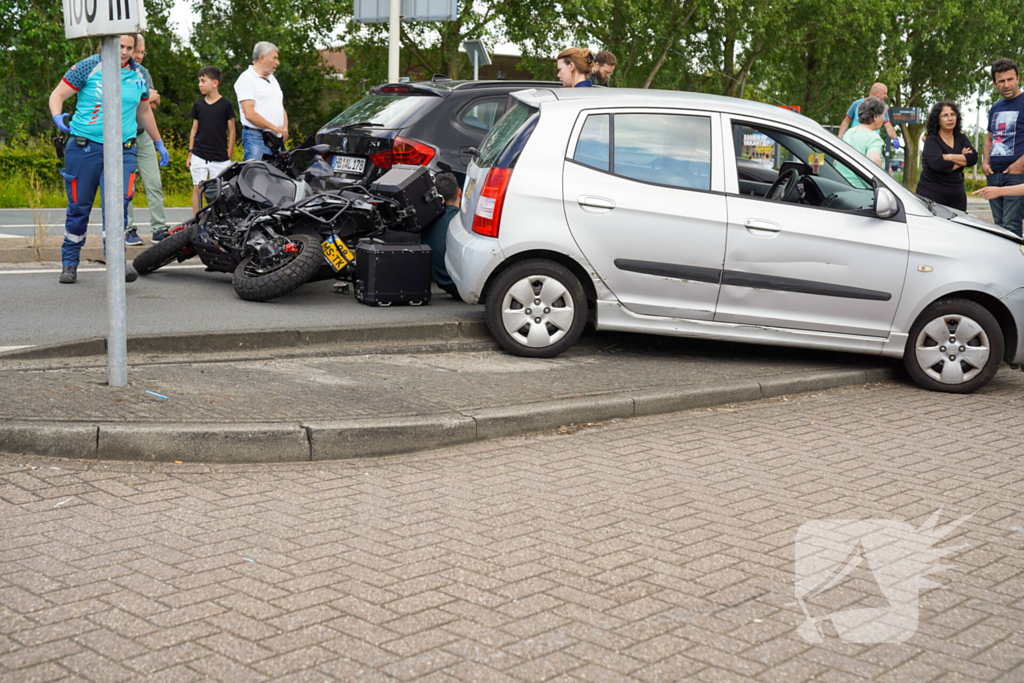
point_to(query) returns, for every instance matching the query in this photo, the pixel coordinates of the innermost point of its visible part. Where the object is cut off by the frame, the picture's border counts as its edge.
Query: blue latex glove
(58, 120)
(895, 143)
(165, 157)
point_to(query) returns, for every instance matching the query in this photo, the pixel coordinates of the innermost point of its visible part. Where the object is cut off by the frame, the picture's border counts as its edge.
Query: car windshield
(389, 111)
(502, 133)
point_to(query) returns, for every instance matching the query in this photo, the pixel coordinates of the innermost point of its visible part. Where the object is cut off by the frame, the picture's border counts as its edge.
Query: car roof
(444, 87)
(636, 97)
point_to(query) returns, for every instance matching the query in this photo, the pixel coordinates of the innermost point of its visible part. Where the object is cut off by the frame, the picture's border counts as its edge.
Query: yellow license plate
(336, 253)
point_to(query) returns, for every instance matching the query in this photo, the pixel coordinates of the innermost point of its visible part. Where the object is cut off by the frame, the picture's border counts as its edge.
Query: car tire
(549, 330)
(968, 362)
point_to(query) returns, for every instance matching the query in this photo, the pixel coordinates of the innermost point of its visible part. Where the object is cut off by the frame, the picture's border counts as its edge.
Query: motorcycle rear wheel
(252, 285)
(177, 246)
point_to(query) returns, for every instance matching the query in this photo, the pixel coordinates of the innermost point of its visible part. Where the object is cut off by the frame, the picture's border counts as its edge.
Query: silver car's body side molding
(611, 315)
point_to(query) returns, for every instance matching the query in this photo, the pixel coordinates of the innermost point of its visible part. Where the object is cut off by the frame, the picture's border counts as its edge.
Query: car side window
(593, 144)
(764, 155)
(482, 114)
(665, 149)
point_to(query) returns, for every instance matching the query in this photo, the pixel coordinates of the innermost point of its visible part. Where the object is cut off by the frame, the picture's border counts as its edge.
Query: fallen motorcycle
(275, 234)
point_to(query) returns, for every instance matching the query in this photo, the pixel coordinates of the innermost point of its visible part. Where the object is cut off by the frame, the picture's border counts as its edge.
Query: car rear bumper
(470, 260)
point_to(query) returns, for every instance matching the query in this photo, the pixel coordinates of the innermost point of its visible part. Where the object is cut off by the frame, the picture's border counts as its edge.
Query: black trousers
(942, 195)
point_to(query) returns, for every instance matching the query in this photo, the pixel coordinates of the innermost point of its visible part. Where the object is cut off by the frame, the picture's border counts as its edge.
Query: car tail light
(487, 217)
(405, 151)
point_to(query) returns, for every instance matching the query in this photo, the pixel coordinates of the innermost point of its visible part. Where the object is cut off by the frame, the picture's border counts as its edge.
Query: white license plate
(349, 164)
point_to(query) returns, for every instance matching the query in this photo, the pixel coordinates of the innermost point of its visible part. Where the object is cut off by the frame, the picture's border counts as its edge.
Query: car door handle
(758, 224)
(596, 202)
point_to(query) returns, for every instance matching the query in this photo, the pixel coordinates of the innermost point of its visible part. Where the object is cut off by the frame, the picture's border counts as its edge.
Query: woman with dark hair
(947, 152)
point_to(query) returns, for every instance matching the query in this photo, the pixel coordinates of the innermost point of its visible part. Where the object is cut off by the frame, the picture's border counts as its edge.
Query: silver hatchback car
(699, 216)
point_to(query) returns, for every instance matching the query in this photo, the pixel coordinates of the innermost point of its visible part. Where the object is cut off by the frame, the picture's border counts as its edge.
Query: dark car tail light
(487, 217)
(405, 151)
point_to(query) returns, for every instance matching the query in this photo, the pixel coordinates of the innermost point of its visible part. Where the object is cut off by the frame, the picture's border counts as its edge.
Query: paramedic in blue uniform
(83, 155)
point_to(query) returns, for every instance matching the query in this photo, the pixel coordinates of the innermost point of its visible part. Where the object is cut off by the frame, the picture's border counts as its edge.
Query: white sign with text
(83, 18)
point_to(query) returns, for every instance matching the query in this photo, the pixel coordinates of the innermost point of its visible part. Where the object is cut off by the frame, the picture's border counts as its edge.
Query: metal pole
(113, 213)
(476, 65)
(394, 18)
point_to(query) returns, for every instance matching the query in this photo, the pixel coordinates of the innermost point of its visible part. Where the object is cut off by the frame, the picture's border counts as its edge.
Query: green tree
(227, 30)
(940, 49)
(34, 57)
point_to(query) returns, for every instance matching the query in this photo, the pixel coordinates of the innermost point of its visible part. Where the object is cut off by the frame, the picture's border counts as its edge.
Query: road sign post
(84, 18)
(395, 11)
(477, 53)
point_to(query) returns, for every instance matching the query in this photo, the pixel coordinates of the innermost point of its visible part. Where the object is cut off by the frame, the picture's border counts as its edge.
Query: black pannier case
(412, 189)
(392, 273)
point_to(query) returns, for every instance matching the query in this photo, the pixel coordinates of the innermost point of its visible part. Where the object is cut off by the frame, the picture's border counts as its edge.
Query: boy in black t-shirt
(209, 148)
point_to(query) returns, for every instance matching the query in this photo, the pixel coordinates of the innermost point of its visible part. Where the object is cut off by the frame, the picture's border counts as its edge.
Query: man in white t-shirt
(261, 101)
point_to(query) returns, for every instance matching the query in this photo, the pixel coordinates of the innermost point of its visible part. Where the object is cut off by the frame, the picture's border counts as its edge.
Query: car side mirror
(886, 204)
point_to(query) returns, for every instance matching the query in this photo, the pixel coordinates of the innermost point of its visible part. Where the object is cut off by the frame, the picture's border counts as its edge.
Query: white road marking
(53, 225)
(13, 348)
(38, 271)
(3, 236)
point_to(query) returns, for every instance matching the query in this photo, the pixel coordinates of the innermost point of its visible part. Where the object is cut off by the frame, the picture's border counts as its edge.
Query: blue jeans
(83, 173)
(252, 145)
(1007, 211)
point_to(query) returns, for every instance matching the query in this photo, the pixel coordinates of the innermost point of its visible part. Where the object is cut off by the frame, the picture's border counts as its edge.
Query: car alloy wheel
(537, 311)
(536, 308)
(952, 349)
(955, 346)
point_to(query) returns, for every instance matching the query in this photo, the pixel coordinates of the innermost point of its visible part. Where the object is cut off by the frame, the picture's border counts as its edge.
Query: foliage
(818, 54)
(295, 28)
(28, 156)
(34, 57)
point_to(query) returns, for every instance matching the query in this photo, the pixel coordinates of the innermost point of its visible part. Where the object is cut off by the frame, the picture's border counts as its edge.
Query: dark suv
(434, 123)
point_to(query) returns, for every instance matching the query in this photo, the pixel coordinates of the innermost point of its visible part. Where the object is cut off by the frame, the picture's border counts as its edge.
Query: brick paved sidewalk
(657, 549)
(379, 385)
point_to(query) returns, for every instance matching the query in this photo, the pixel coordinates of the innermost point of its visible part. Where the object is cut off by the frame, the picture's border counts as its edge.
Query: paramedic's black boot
(129, 274)
(69, 275)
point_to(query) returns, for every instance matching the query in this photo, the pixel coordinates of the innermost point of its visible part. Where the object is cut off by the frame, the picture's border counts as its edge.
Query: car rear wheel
(955, 346)
(536, 308)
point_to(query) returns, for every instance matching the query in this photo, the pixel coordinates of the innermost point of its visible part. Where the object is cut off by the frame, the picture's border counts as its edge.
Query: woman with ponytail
(574, 65)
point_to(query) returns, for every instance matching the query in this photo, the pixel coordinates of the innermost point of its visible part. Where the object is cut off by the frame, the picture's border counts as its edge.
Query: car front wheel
(536, 308)
(955, 346)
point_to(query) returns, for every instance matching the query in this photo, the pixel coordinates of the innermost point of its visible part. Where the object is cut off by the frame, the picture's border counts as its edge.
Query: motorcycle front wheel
(256, 281)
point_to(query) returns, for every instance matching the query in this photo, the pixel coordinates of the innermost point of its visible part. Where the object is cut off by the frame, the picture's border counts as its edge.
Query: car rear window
(502, 134)
(390, 111)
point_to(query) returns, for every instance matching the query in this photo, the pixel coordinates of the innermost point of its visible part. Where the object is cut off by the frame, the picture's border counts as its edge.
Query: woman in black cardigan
(947, 151)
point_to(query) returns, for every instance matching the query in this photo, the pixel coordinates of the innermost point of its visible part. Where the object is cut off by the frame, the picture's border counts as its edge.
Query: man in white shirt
(261, 101)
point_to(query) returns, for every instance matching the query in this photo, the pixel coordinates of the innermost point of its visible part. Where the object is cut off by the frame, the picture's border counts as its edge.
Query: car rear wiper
(360, 124)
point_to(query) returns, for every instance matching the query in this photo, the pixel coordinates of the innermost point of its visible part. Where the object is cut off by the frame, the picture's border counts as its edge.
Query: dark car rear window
(502, 133)
(390, 111)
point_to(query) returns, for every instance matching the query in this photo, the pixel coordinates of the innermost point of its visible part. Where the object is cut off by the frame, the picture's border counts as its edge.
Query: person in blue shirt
(574, 65)
(1004, 146)
(83, 155)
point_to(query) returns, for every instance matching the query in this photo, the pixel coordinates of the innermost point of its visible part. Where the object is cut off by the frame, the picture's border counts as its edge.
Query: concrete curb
(261, 340)
(338, 440)
(22, 250)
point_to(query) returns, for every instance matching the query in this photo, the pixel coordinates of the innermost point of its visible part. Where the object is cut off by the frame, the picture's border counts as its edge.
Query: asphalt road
(20, 222)
(36, 309)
